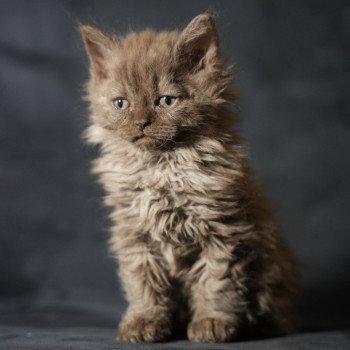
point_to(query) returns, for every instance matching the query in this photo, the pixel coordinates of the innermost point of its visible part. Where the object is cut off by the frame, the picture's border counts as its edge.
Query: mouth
(144, 140)
(138, 137)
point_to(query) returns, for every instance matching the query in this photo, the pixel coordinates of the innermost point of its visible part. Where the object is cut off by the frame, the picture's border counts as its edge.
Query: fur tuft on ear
(198, 44)
(98, 46)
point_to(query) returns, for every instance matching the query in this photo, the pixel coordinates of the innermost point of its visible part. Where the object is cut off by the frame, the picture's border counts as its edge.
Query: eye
(121, 103)
(166, 101)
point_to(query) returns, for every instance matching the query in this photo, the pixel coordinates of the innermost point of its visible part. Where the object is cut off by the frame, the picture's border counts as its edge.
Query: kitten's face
(140, 98)
(155, 89)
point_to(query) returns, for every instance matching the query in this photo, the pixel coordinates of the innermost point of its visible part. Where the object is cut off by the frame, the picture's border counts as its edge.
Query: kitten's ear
(98, 46)
(198, 44)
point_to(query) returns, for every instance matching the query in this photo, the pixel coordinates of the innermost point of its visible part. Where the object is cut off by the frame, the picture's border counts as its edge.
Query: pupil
(120, 103)
(167, 100)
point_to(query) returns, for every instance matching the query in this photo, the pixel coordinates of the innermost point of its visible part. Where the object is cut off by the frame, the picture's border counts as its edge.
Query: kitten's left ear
(198, 44)
(99, 47)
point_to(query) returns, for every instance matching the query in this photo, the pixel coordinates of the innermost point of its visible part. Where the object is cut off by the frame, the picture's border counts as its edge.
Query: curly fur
(196, 241)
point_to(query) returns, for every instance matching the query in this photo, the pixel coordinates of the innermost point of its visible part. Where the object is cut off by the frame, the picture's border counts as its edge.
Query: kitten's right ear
(98, 46)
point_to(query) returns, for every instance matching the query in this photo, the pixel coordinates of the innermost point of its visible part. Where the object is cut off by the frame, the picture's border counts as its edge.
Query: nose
(141, 124)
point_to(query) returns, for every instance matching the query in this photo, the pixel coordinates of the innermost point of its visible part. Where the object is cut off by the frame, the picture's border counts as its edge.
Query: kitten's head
(157, 89)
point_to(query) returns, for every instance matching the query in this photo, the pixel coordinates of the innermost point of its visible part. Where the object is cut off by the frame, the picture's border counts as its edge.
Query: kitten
(195, 240)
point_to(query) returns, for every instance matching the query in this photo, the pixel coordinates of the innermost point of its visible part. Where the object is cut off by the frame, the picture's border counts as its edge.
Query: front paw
(138, 328)
(211, 330)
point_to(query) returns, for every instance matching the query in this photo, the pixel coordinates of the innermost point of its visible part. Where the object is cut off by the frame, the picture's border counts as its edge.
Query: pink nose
(141, 124)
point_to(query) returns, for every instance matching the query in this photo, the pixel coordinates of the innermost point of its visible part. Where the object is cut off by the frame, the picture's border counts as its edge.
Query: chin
(151, 142)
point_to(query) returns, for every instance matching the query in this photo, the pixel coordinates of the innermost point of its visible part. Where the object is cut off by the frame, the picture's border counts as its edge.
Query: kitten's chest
(165, 192)
(169, 204)
(169, 201)
(166, 184)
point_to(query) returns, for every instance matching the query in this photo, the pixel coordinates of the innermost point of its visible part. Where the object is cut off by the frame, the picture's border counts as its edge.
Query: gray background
(293, 72)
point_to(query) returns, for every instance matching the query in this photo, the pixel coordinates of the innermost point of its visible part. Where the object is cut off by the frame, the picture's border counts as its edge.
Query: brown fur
(194, 237)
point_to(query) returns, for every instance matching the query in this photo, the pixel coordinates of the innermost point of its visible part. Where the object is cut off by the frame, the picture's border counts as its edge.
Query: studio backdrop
(292, 62)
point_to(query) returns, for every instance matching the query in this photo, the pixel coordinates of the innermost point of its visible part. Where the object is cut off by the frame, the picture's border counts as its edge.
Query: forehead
(144, 62)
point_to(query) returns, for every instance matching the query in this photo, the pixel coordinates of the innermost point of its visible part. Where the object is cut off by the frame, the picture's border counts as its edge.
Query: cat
(196, 242)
